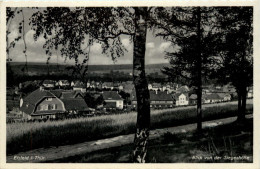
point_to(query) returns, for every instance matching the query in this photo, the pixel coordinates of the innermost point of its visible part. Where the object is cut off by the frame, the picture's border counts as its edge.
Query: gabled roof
(160, 96)
(75, 104)
(111, 95)
(37, 95)
(222, 95)
(30, 102)
(78, 83)
(176, 95)
(66, 93)
(193, 96)
(70, 94)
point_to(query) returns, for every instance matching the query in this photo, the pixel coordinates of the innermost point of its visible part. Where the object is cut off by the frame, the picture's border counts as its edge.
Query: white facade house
(63, 83)
(181, 99)
(113, 100)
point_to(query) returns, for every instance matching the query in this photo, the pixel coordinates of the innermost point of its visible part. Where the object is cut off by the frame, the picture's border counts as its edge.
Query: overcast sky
(155, 48)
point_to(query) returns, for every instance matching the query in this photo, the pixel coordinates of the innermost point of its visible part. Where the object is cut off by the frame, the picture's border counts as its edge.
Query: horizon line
(86, 64)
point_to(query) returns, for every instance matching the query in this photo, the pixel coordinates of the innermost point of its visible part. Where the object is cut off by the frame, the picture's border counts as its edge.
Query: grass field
(27, 136)
(227, 143)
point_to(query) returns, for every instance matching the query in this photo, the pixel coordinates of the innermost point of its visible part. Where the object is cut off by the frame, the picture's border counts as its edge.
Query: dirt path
(56, 153)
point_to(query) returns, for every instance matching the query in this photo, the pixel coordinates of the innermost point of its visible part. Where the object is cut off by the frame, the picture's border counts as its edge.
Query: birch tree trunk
(141, 86)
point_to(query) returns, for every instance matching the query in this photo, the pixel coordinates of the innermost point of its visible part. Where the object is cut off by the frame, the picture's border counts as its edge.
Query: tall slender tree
(141, 85)
(189, 29)
(236, 52)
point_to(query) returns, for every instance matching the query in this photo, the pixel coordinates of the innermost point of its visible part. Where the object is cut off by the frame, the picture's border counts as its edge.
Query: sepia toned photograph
(129, 84)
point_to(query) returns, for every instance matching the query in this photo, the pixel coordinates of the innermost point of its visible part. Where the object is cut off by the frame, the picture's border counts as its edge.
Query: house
(205, 91)
(181, 99)
(72, 83)
(250, 92)
(110, 105)
(71, 94)
(113, 98)
(108, 85)
(42, 104)
(79, 86)
(75, 105)
(225, 96)
(213, 98)
(155, 86)
(63, 83)
(168, 87)
(193, 99)
(158, 99)
(48, 84)
(204, 99)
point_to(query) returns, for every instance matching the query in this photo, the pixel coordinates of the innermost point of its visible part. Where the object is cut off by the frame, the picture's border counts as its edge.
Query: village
(55, 100)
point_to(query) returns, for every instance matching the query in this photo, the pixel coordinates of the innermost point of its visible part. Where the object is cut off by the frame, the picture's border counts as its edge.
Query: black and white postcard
(101, 84)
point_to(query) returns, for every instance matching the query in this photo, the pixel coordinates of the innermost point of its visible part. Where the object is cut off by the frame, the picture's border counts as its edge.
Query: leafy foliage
(179, 26)
(236, 55)
(74, 30)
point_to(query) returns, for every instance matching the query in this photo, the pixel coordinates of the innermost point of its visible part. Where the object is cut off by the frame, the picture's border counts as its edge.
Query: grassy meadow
(220, 144)
(27, 136)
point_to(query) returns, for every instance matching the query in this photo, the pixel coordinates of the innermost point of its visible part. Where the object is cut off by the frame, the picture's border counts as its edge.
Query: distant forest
(108, 73)
(103, 73)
